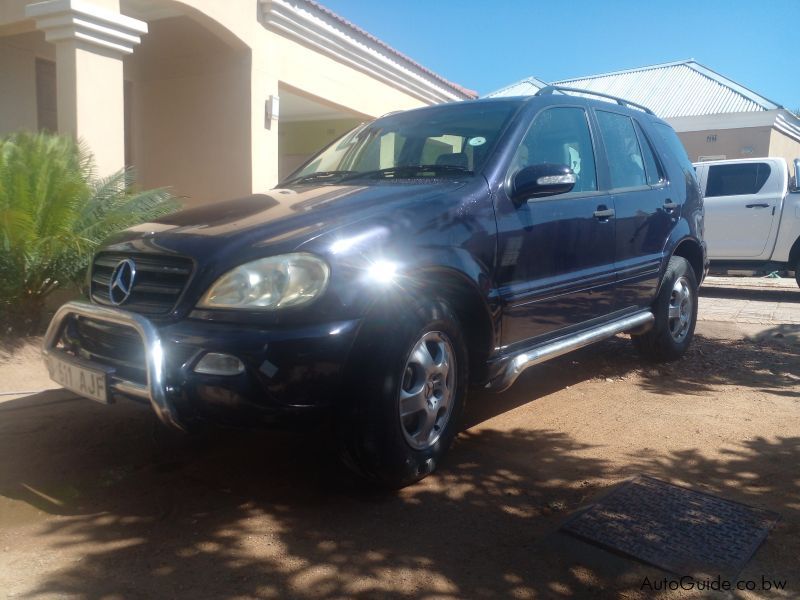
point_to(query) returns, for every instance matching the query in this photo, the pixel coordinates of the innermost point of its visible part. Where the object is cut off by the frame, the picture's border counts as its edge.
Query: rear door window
(736, 179)
(625, 161)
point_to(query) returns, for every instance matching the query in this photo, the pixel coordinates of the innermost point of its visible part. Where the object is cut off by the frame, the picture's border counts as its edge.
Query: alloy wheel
(681, 307)
(427, 390)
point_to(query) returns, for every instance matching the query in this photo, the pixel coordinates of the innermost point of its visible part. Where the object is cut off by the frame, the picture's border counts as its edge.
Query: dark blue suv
(422, 253)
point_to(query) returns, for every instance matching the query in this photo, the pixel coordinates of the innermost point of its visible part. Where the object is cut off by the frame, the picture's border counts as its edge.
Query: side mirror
(537, 181)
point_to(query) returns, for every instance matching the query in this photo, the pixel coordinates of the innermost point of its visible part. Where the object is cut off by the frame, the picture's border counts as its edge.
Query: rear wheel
(405, 394)
(797, 272)
(675, 311)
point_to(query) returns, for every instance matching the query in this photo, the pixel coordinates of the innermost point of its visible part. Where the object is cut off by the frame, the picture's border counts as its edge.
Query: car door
(741, 200)
(645, 211)
(555, 254)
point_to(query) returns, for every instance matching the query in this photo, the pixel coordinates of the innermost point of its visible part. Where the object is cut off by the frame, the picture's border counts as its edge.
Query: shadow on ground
(152, 513)
(765, 294)
(768, 364)
(9, 344)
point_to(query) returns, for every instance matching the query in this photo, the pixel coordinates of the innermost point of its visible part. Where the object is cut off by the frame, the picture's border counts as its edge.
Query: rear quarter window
(736, 179)
(675, 145)
(654, 173)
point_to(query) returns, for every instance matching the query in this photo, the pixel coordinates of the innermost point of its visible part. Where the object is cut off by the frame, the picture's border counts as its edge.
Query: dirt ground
(102, 502)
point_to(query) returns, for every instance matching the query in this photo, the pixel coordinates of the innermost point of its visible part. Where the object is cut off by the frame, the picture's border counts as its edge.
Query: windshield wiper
(406, 171)
(318, 176)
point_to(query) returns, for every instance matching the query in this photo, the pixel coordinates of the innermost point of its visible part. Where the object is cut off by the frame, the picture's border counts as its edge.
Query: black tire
(372, 434)
(670, 337)
(797, 272)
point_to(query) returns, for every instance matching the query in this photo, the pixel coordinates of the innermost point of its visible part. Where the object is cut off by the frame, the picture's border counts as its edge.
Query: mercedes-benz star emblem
(121, 284)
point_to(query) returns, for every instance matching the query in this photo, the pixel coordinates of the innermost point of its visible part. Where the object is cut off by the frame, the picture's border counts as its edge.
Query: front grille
(108, 344)
(158, 284)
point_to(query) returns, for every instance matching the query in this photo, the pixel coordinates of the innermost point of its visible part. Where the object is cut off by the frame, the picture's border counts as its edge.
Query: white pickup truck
(752, 220)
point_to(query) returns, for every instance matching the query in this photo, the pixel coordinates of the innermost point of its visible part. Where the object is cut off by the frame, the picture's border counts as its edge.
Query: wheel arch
(794, 254)
(690, 249)
(470, 307)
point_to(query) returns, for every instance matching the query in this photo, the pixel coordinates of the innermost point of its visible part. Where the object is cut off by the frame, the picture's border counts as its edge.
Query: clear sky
(484, 45)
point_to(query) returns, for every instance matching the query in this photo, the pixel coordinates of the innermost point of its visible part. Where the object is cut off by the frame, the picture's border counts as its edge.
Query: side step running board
(515, 364)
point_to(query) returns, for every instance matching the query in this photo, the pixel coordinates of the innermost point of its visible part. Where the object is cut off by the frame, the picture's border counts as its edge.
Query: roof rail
(547, 91)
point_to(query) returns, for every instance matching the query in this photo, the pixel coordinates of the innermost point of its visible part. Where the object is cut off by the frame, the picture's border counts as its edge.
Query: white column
(91, 38)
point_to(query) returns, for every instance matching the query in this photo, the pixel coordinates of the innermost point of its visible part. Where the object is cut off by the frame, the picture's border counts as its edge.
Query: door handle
(669, 205)
(758, 205)
(603, 213)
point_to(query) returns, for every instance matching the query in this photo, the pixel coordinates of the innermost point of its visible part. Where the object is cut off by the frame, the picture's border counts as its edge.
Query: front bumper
(288, 371)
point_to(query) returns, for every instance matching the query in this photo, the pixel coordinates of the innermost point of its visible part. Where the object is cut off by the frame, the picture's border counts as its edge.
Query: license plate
(89, 383)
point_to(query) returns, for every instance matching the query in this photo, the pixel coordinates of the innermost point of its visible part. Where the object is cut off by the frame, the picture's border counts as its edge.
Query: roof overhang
(735, 120)
(788, 124)
(309, 23)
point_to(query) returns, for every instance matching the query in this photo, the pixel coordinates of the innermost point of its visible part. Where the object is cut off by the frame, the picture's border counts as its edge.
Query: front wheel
(405, 394)
(675, 311)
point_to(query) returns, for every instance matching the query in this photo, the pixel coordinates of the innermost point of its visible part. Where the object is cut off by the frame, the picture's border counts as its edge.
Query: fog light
(219, 364)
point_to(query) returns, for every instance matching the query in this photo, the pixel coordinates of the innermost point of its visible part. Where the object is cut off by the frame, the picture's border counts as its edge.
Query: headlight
(269, 283)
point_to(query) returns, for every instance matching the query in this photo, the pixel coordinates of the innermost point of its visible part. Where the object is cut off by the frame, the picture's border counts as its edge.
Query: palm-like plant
(53, 214)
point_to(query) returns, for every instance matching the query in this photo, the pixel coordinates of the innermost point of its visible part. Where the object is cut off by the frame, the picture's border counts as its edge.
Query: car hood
(278, 221)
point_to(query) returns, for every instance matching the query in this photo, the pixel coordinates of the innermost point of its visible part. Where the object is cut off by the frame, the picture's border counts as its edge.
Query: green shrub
(54, 212)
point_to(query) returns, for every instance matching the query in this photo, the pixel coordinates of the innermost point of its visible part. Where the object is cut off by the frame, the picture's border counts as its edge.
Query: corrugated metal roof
(677, 89)
(527, 87)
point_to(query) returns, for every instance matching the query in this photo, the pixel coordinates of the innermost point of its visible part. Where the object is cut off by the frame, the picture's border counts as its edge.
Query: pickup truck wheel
(675, 311)
(405, 394)
(797, 272)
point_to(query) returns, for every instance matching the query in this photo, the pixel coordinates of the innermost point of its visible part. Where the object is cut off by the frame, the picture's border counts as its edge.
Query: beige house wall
(748, 142)
(13, 19)
(781, 144)
(245, 153)
(18, 54)
(190, 107)
(198, 75)
(305, 69)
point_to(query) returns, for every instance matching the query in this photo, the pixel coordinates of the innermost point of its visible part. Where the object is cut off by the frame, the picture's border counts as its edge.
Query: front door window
(561, 136)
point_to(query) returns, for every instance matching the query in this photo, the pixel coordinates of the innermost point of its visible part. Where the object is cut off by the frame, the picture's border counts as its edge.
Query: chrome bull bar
(155, 391)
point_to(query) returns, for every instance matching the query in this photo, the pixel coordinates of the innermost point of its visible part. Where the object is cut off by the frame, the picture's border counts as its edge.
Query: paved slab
(785, 283)
(750, 300)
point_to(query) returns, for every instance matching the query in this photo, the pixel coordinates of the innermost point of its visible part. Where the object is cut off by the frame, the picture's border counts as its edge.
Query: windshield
(443, 141)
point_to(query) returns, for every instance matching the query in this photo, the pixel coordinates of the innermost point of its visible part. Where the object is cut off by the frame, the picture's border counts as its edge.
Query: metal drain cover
(674, 528)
